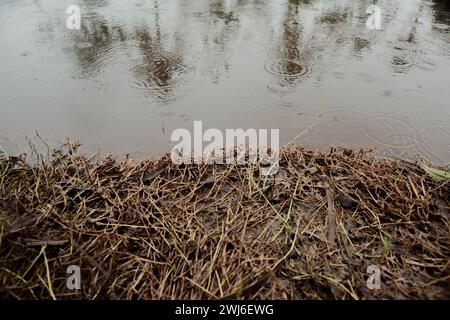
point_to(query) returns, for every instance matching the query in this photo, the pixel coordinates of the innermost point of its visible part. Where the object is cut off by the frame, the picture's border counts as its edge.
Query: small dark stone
(362, 291)
(347, 152)
(347, 202)
(71, 170)
(294, 255)
(69, 205)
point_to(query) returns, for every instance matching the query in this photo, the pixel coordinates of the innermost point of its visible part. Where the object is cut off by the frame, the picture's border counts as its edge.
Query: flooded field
(137, 70)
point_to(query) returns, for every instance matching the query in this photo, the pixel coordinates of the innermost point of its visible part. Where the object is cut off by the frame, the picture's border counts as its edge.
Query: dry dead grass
(153, 230)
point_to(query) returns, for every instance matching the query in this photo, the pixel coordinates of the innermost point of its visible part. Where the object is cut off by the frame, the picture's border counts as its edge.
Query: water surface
(139, 69)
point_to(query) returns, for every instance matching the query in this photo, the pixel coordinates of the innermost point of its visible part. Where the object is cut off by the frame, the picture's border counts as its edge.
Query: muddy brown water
(139, 69)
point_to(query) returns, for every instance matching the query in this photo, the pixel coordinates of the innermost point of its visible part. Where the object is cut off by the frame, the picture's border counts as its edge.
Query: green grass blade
(437, 174)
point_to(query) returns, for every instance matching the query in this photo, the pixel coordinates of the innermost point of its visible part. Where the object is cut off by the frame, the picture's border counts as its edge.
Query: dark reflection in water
(441, 10)
(290, 62)
(95, 44)
(139, 69)
(159, 69)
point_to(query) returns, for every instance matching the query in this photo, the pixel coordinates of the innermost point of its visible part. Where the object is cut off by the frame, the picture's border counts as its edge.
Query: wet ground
(137, 70)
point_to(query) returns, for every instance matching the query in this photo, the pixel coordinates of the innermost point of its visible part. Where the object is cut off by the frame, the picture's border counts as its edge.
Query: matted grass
(154, 230)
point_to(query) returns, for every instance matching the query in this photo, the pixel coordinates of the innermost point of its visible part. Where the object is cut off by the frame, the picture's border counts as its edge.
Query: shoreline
(151, 229)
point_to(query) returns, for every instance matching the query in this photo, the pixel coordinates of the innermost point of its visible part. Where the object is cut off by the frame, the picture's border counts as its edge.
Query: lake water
(139, 69)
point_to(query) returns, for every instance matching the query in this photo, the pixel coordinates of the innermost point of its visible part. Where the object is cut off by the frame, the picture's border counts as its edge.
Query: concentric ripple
(425, 65)
(439, 136)
(441, 27)
(413, 146)
(95, 59)
(385, 132)
(288, 69)
(162, 78)
(400, 62)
